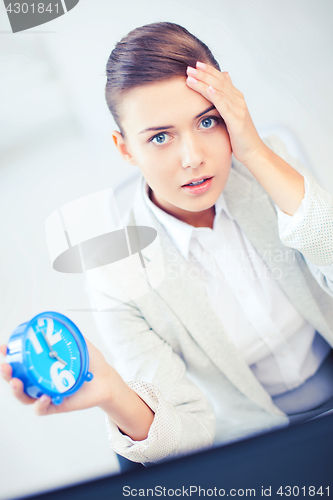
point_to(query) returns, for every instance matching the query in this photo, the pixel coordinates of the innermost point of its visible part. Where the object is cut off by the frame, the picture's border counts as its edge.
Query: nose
(191, 153)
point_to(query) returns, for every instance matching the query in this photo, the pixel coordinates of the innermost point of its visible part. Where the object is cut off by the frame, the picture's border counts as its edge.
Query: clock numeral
(52, 336)
(35, 342)
(62, 379)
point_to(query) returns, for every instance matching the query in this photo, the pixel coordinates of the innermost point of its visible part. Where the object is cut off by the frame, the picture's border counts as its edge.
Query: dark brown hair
(151, 53)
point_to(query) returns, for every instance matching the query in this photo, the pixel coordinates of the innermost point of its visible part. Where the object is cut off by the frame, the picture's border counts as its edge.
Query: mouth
(197, 182)
(198, 186)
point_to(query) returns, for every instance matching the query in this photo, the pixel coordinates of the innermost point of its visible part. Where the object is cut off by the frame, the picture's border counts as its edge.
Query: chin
(201, 205)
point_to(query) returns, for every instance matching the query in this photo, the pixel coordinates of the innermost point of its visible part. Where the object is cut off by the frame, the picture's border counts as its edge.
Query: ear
(122, 147)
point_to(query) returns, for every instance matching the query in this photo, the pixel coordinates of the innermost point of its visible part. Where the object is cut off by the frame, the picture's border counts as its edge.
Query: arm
(160, 413)
(127, 410)
(145, 424)
(310, 229)
(279, 179)
(183, 419)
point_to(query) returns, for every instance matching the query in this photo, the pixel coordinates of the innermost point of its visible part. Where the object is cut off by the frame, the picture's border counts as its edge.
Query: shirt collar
(180, 232)
(220, 205)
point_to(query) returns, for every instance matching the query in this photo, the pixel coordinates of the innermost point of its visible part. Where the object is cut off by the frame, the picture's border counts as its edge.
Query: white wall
(55, 146)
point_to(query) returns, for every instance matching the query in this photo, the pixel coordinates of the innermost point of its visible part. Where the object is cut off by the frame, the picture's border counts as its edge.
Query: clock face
(52, 355)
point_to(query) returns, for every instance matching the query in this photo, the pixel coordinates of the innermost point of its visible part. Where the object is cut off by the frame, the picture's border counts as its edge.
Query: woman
(211, 356)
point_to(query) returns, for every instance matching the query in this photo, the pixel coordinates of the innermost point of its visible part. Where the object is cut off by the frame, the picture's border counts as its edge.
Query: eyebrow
(156, 129)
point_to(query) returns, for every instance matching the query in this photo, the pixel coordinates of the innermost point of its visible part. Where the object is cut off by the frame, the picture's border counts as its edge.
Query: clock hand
(53, 353)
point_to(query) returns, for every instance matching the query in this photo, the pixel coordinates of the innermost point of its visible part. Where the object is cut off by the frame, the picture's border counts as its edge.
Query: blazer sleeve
(310, 229)
(183, 421)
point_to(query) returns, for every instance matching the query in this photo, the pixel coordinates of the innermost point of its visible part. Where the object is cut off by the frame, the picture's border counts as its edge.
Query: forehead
(168, 102)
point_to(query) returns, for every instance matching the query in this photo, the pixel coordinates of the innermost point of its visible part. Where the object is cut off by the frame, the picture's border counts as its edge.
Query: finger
(43, 406)
(6, 371)
(218, 80)
(227, 75)
(220, 100)
(3, 349)
(221, 84)
(17, 389)
(209, 69)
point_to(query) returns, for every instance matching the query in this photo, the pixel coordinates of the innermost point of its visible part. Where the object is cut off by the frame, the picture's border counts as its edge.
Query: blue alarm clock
(50, 356)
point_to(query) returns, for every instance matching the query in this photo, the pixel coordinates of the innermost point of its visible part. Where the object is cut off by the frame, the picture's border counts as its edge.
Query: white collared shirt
(282, 349)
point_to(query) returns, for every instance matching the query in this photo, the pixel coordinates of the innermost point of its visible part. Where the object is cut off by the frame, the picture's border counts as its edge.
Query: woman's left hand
(217, 87)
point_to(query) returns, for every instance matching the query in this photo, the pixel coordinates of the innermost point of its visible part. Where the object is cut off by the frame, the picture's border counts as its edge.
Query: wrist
(259, 154)
(112, 386)
(281, 181)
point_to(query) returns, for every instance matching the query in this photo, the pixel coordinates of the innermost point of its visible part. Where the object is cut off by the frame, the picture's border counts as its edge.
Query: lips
(198, 188)
(197, 181)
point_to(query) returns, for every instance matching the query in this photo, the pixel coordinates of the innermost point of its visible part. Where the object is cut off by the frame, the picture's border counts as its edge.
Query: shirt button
(284, 353)
(242, 291)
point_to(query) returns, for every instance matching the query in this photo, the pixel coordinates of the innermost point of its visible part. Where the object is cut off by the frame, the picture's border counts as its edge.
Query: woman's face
(176, 137)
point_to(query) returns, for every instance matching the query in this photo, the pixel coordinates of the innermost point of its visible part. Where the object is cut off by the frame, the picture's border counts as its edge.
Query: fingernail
(13, 385)
(191, 71)
(190, 79)
(44, 398)
(201, 65)
(211, 89)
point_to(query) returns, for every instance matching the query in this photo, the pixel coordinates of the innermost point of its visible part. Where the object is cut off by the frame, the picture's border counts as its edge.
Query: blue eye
(209, 122)
(160, 138)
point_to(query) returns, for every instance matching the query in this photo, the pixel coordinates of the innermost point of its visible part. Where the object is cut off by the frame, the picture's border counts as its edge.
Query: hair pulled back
(151, 53)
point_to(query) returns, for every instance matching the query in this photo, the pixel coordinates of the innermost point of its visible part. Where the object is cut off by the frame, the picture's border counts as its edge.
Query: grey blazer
(172, 347)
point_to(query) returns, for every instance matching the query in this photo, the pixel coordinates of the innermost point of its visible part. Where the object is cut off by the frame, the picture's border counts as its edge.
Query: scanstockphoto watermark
(198, 491)
(193, 272)
(162, 491)
(240, 267)
(226, 254)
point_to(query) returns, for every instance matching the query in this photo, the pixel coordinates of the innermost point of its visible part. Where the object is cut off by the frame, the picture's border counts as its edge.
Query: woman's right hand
(97, 392)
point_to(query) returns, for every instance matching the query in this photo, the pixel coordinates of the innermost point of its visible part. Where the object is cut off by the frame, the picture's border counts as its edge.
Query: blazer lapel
(188, 300)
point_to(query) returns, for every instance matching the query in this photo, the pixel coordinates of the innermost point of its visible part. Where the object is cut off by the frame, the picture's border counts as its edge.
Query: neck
(205, 218)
